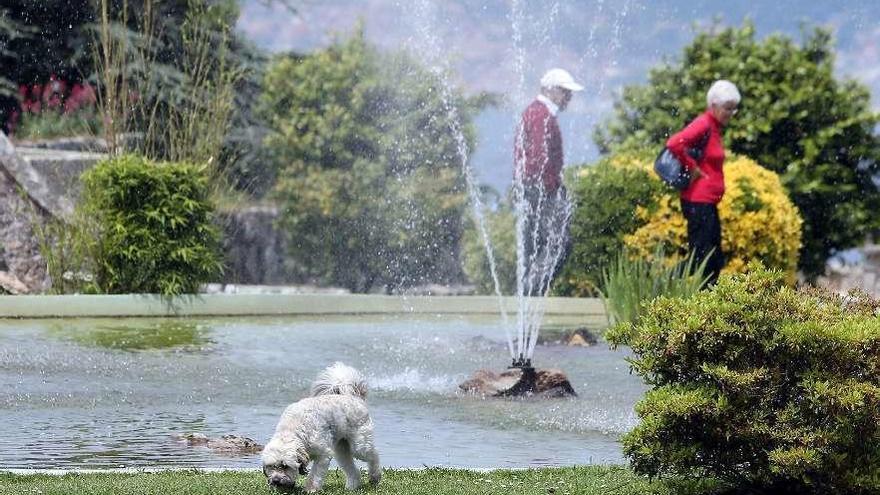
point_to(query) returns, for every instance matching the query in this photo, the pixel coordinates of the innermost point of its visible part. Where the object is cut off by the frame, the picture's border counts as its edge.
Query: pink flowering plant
(55, 109)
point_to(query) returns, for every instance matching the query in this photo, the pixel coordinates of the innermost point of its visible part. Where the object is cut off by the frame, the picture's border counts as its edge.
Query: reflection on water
(179, 334)
(110, 393)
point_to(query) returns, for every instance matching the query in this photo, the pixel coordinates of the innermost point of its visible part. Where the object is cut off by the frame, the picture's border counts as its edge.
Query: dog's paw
(375, 478)
(354, 485)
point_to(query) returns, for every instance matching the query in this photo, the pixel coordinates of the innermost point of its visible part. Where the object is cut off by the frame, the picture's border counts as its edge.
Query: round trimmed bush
(152, 225)
(768, 388)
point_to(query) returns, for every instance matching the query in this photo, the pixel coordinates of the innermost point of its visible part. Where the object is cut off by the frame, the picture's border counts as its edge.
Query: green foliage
(763, 386)
(607, 197)
(49, 125)
(244, 161)
(628, 284)
(369, 172)
(10, 30)
(38, 39)
(168, 70)
(67, 247)
(154, 232)
(501, 227)
(172, 84)
(796, 119)
(190, 120)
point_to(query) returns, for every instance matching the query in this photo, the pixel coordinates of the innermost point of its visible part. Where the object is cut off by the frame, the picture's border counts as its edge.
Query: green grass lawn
(576, 480)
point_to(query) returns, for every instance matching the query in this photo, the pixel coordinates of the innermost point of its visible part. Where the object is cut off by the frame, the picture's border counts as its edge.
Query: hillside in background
(605, 44)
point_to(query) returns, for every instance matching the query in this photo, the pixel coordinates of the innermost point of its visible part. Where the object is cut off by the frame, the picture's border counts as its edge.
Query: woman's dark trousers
(704, 236)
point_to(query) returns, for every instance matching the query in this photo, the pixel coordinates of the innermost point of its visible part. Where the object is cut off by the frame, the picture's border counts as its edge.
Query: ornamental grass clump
(765, 387)
(630, 283)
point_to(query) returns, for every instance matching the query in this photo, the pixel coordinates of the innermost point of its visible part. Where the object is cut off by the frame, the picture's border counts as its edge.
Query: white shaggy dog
(333, 422)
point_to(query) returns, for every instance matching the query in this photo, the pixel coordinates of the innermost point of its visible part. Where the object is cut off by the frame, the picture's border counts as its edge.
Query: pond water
(110, 393)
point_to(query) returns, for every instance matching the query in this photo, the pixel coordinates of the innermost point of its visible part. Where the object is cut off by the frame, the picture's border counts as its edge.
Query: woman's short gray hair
(722, 92)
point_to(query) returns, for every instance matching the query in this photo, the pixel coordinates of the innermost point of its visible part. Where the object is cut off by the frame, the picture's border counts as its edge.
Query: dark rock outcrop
(37, 186)
(20, 213)
(581, 337)
(577, 337)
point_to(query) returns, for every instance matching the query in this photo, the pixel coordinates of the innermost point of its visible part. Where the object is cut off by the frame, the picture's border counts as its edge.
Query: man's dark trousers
(546, 242)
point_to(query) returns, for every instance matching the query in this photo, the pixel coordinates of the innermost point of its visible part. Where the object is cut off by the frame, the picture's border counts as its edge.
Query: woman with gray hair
(699, 147)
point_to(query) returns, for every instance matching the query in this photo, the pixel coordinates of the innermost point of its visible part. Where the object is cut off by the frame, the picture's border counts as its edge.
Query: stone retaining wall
(253, 248)
(25, 205)
(19, 251)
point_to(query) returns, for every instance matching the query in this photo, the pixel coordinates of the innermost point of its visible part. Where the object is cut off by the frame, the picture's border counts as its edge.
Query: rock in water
(581, 337)
(227, 444)
(514, 382)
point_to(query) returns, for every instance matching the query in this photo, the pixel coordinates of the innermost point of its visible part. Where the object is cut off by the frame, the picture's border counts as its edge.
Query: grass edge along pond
(430, 481)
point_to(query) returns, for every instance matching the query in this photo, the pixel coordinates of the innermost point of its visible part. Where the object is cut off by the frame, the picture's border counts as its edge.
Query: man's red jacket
(538, 148)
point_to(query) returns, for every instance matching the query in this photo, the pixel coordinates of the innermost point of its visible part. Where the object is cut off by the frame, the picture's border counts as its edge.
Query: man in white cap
(538, 161)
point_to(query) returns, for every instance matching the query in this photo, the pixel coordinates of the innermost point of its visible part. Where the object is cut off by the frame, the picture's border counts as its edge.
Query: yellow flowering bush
(758, 221)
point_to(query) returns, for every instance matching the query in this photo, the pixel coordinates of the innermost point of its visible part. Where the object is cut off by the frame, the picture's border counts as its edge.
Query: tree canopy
(38, 39)
(796, 118)
(369, 170)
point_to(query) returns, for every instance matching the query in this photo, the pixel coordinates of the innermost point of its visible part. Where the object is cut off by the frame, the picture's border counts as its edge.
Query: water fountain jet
(535, 267)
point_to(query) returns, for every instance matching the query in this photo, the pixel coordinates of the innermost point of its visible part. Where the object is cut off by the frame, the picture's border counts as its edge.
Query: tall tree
(796, 118)
(369, 170)
(38, 39)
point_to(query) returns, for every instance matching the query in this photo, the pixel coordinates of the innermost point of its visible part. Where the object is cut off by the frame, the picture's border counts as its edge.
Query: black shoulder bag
(671, 171)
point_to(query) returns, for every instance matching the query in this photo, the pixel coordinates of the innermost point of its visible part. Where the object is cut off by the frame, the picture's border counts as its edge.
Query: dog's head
(282, 465)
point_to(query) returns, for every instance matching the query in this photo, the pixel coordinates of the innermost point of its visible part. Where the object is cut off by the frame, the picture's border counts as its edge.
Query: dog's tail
(340, 379)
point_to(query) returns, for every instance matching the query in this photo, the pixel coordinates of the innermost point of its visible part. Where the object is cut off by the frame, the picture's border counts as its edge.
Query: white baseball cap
(559, 78)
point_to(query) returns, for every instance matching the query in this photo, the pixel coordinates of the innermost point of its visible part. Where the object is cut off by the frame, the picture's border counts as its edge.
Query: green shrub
(50, 125)
(628, 284)
(607, 197)
(153, 224)
(501, 226)
(760, 385)
(621, 202)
